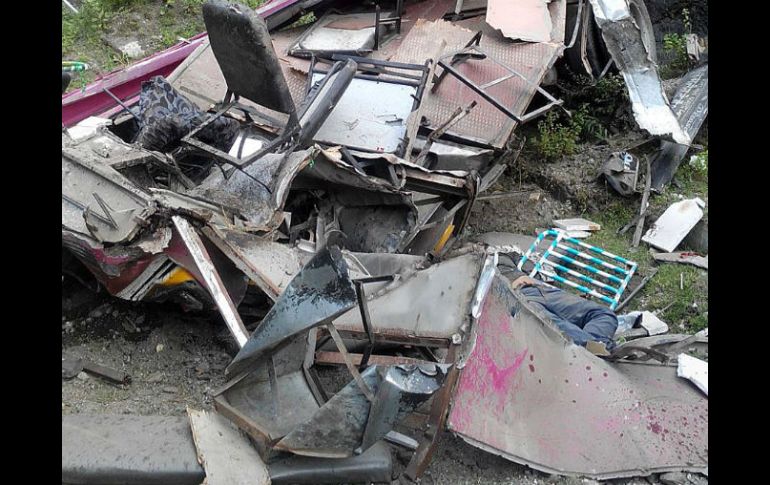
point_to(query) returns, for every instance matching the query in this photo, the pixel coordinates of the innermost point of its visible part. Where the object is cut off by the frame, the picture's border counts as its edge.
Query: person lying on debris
(580, 319)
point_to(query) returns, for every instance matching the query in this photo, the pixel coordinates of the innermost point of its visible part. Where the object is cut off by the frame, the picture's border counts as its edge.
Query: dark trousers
(580, 319)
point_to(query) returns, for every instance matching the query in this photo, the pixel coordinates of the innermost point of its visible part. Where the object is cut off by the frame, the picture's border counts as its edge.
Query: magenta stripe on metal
(124, 83)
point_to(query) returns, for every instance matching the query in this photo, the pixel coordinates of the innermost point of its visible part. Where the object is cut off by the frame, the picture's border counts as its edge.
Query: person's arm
(523, 281)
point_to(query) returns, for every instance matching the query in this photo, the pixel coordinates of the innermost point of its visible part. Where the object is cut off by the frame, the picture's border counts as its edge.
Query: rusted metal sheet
(485, 123)
(528, 394)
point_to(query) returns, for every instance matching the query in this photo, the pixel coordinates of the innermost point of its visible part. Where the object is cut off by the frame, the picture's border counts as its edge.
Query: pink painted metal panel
(529, 395)
(527, 20)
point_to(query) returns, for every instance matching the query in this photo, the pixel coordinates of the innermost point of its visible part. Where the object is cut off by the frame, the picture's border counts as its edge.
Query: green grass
(663, 290)
(156, 24)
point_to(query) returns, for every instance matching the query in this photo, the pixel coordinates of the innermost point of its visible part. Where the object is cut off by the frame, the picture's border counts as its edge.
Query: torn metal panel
(527, 20)
(212, 280)
(453, 156)
(226, 455)
(268, 403)
(145, 282)
(625, 42)
(527, 394)
(695, 370)
(269, 264)
(320, 292)
(683, 258)
(250, 404)
(375, 215)
(334, 431)
(123, 449)
(98, 201)
(262, 208)
(375, 229)
(445, 288)
(384, 264)
(411, 176)
(195, 208)
(370, 115)
(350, 33)
(670, 344)
(116, 267)
(673, 225)
(690, 104)
(402, 390)
(373, 466)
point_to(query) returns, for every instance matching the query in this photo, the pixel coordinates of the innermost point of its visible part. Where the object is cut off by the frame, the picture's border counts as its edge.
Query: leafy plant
(589, 127)
(561, 137)
(556, 139)
(306, 19)
(676, 46)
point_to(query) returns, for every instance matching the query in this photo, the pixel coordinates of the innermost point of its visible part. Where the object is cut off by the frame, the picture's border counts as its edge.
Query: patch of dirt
(575, 179)
(174, 360)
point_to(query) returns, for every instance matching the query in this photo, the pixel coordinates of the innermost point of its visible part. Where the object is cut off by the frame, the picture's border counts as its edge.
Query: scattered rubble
(324, 178)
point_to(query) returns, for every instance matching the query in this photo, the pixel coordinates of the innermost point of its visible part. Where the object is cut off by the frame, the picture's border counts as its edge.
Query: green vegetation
(598, 109)
(560, 136)
(675, 45)
(156, 24)
(700, 164)
(556, 139)
(684, 308)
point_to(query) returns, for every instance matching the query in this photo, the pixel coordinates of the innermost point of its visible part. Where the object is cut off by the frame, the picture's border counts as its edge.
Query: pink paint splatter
(501, 377)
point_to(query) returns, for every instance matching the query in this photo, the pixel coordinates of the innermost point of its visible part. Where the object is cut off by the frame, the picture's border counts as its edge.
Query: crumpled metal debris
(622, 172)
(320, 292)
(309, 188)
(625, 43)
(403, 388)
